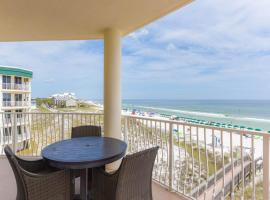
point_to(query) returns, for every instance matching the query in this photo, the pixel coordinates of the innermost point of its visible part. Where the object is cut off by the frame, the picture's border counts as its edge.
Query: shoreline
(157, 115)
(212, 119)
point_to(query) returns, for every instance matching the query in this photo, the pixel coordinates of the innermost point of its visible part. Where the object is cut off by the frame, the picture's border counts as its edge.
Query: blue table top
(84, 152)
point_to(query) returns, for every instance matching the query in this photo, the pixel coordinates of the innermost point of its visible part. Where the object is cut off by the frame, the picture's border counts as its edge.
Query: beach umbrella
(268, 131)
(258, 129)
(250, 129)
(236, 126)
(242, 127)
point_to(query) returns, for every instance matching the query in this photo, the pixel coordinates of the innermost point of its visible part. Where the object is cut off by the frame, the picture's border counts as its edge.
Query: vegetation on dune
(200, 153)
(42, 108)
(44, 101)
(248, 192)
(32, 149)
(82, 107)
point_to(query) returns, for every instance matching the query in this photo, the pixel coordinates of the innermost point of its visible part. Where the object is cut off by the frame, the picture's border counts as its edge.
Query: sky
(207, 50)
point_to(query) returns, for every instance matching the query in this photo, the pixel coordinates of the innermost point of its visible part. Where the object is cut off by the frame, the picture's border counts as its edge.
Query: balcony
(198, 160)
(195, 161)
(15, 86)
(9, 104)
(8, 185)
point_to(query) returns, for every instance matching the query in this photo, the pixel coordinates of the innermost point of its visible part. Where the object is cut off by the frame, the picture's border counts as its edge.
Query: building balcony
(15, 86)
(20, 119)
(15, 104)
(195, 160)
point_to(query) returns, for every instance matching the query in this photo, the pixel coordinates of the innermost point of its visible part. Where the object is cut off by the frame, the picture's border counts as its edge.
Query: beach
(253, 114)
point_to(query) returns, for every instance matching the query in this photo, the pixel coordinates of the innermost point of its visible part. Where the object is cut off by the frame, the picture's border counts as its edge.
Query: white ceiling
(30, 20)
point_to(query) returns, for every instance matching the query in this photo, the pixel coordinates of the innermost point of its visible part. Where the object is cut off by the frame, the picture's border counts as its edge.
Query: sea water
(248, 113)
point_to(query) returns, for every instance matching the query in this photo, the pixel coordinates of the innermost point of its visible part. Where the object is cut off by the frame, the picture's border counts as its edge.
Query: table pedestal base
(84, 184)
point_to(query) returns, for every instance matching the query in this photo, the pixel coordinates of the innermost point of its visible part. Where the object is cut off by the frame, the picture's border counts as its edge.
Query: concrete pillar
(112, 83)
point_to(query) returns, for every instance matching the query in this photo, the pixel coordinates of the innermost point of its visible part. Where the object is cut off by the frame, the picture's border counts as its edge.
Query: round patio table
(83, 153)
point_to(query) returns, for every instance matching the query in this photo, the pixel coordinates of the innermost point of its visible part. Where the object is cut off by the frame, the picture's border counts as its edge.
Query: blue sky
(208, 50)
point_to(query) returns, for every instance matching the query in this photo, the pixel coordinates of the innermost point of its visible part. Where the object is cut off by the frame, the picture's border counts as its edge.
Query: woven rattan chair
(85, 131)
(132, 181)
(35, 181)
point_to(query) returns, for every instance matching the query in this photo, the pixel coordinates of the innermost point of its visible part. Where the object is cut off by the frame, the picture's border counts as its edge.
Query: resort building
(15, 95)
(65, 100)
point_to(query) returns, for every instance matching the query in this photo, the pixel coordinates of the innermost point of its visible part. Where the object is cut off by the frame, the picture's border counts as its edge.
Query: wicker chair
(132, 181)
(84, 131)
(35, 181)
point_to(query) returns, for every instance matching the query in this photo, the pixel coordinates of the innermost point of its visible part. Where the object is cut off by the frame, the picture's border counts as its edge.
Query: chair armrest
(33, 166)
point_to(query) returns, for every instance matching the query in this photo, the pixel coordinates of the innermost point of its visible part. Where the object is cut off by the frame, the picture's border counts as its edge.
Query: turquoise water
(248, 113)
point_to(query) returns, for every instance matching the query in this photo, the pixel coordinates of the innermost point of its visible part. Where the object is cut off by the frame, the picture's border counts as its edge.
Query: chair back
(85, 131)
(135, 176)
(21, 190)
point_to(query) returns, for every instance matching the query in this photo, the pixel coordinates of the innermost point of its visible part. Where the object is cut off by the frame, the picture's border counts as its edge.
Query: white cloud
(208, 44)
(58, 65)
(51, 80)
(138, 34)
(171, 47)
(221, 43)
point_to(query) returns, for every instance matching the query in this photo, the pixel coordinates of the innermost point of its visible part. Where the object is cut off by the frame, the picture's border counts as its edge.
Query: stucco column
(112, 83)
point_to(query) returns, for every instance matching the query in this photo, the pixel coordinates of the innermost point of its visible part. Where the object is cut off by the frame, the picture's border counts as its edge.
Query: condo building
(15, 98)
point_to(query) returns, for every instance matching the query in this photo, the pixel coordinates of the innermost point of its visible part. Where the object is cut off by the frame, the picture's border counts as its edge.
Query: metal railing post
(171, 158)
(125, 129)
(14, 132)
(266, 167)
(63, 126)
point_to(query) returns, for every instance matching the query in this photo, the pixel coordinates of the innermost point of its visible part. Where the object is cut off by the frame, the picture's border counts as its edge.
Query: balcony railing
(15, 103)
(197, 160)
(15, 86)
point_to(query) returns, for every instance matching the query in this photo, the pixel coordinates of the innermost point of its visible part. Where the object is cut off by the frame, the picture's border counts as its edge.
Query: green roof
(13, 71)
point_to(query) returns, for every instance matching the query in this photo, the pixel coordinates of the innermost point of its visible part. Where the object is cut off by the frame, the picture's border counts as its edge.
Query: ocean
(248, 113)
